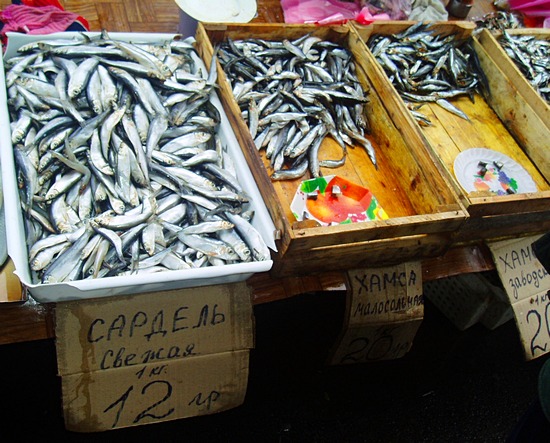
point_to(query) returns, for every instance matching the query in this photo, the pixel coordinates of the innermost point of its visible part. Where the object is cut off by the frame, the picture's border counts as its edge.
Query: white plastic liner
(123, 285)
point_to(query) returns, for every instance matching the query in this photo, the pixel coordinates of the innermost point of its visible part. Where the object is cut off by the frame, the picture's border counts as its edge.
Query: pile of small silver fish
(119, 161)
(425, 66)
(292, 94)
(495, 21)
(531, 54)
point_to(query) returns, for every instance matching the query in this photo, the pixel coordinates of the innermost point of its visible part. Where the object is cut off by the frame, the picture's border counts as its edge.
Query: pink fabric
(533, 8)
(55, 3)
(43, 3)
(364, 17)
(327, 12)
(35, 20)
(316, 11)
(518, 4)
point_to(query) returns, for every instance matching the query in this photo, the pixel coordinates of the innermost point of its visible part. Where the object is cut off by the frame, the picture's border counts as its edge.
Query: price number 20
(539, 320)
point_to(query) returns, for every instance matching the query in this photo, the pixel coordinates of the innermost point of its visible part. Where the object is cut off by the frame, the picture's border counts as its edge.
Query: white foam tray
(123, 285)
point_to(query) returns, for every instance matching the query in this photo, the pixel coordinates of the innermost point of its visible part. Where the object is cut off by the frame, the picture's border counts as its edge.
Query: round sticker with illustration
(482, 169)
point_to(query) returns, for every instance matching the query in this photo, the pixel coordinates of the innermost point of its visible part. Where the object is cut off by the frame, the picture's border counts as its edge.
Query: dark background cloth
(453, 386)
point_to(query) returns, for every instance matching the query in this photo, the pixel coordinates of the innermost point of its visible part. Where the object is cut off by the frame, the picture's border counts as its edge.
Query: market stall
(31, 318)
(428, 216)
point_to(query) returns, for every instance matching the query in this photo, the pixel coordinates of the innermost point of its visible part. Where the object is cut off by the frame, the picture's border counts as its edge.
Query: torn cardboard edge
(141, 359)
(375, 342)
(386, 294)
(127, 331)
(384, 309)
(527, 285)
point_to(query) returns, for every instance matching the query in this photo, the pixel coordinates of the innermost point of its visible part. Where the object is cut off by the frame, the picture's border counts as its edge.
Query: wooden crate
(522, 137)
(424, 210)
(515, 101)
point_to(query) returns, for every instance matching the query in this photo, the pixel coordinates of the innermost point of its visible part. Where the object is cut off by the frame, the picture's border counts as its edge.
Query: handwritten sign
(384, 310)
(527, 285)
(144, 394)
(140, 359)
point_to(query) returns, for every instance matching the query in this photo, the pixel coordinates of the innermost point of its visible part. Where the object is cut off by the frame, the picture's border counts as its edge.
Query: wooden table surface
(22, 319)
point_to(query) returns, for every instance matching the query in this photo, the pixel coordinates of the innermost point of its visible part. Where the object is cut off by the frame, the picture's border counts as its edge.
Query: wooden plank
(379, 252)
(458, 260)
(347, 236)
(497, 227)
(490, 42)
(25, 321)
(266, 288)
(269, 11)
(516, 102)
(113, 15)
(510, 204)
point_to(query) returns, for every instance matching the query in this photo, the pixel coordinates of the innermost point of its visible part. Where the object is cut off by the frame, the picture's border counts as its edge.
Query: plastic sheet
(396, 9)
(325, 12)
(533, 8)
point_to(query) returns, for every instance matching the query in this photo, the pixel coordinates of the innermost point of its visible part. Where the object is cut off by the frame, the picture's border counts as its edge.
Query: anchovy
(424, 66)
(292, 172)
(250, 236)
(283, 105)
(531, 55)
(445, 104)
(209, 246)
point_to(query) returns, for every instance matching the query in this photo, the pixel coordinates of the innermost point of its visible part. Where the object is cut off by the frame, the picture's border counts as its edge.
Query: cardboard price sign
(155, 392)
(527, 285)
(153, 357)
(384, 309)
